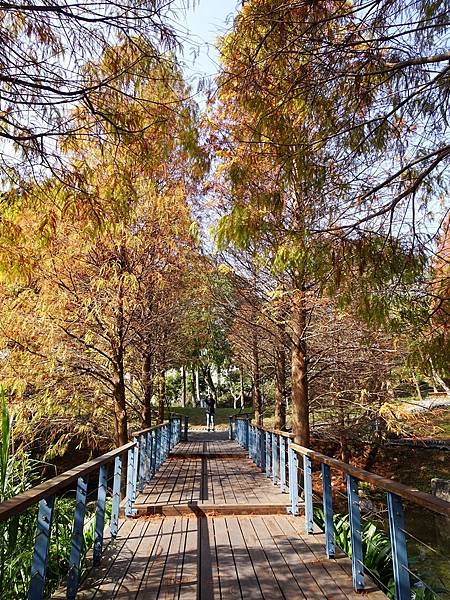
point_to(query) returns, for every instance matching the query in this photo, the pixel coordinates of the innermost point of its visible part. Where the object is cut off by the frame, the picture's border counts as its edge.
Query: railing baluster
(114, 527)
(262, 441)
(137, 441)
(77, 538)
(399, 548)
(283, 486)
(268, 454)
(308, 493)
(100, 514)
(293, 479)
(148, 458)
(142, 455)
(41, 547)
(328, 510)
(354, 512)
(247, 433)
(274, 459)
(130, 482)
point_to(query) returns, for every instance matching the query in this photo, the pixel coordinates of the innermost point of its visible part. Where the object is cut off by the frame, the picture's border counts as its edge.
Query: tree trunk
(197, 389)
(280, 387)
(209, 379)
(193, 399)
(120, 412)
(161, 395)
(256, 381)
(147, 379)
(183, 387)
(241, 381)
(299, 394)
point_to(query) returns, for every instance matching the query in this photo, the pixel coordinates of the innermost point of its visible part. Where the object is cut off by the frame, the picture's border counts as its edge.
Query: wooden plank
(171, 577)
(108, 587)
(151, 578)
(314, 565)
(248, 580)
(130, 584)
(261, 565)
(228, 581)
(292, 576)
(189, 578)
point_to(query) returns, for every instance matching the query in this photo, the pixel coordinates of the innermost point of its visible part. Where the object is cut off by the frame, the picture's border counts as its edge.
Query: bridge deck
(211, 526)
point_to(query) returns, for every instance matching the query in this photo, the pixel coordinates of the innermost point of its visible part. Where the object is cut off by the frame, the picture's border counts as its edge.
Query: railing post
(169, 438)
(328, 510)
(148, 457)
(137, 441)
(230, 427)
(153, 459)
(283, 486)
(114, 526)
(142, 461)
(268, 454)
(308, 492)
(247, 433)
(186, 427)
(100, 514)
(77, 538)
(262, 441)
(156, 453)
(41, 546)
(274, 459)
(293, 479)
(354, 512)
(130, 482)
(399, 548)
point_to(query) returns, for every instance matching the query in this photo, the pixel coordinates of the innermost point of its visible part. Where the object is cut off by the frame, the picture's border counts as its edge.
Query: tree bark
(161, 395)
(193, 387)
(256, 381)
(120, 411)
(241, 381)
(299, 394)
(280, 387)
(183, 387)
(147, 379)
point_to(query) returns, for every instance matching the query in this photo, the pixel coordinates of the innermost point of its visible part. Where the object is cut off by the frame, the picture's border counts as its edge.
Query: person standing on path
(210, 411)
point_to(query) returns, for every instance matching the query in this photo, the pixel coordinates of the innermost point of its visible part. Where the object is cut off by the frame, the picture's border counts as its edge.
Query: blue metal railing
(145, 454)
(268, 450)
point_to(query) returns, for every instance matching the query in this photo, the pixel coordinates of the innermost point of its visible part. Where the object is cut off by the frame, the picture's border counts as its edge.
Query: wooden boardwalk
(212, 526)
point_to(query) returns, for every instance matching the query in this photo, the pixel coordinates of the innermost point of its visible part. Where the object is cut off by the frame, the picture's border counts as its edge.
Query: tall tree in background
(279, 180)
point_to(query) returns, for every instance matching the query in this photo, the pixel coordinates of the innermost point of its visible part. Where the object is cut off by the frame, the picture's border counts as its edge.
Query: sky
(199, 27)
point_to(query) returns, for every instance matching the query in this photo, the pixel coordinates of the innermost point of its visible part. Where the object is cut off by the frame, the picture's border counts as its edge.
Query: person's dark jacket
(210, 405)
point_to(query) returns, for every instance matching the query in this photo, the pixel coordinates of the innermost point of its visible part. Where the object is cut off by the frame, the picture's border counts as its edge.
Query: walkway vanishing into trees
(211, 525)
(215, 516)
